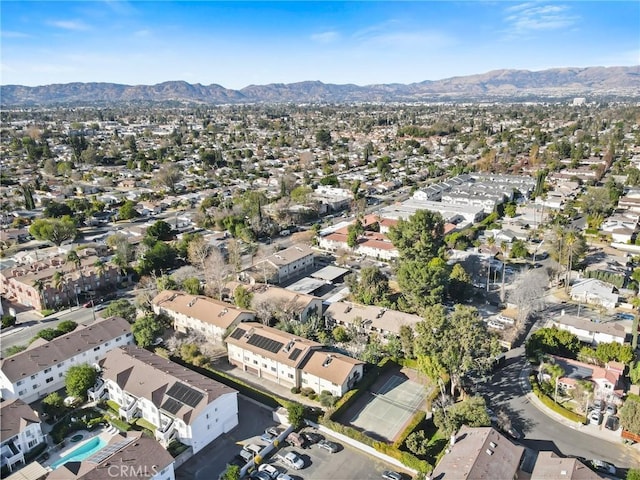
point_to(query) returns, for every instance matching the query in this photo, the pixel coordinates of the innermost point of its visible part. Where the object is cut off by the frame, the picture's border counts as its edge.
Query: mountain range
(497, 85)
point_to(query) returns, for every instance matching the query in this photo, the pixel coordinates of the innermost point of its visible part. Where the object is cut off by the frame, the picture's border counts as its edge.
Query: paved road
(505, 391)
(29, 324)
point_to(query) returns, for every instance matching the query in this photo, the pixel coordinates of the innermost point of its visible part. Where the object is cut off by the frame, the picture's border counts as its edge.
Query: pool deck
(86, 436)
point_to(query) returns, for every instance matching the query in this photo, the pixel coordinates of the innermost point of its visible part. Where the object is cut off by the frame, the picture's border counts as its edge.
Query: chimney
(452, 440)
(562, 312)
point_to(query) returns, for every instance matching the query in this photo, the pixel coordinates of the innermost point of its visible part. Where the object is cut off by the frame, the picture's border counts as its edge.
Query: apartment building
(298, 306)
(285, 264)
(41, 368)
(369, 319)
(21, 432)
(196, 313)
(291, 361)
(129, 455)
(34, 285)
(589, 331)
(181, 403)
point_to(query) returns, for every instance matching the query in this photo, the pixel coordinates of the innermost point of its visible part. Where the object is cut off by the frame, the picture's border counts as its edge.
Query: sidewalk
(594, 430)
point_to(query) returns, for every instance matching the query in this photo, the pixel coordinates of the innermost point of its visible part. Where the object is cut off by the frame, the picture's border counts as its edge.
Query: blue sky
(235, 44)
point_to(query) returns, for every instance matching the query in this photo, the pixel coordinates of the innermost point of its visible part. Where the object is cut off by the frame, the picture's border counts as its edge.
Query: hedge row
(417, 419)
(574, 417)
(120, 424)
(406, 458)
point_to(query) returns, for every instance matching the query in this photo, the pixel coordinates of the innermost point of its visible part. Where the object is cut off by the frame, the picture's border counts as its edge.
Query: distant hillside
(498, 85)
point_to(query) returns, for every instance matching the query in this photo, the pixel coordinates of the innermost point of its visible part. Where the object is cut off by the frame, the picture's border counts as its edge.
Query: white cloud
(142, 33)
(325, 37)
(9, 34)
(532, 17)
(410, 40)
(74, 25)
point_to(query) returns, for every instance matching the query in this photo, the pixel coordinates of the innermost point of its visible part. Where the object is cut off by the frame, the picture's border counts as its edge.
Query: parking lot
(347, 463)
(213, 459)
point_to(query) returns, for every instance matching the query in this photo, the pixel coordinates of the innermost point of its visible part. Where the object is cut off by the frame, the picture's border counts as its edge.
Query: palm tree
(100, 268)
(504, 248)
(59, 282)
(570, 240)
(72, 257)
(39, 285)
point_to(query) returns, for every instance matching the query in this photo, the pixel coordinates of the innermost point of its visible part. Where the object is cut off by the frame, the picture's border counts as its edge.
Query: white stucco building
(40, 369)
(181, 403)
(20, 432)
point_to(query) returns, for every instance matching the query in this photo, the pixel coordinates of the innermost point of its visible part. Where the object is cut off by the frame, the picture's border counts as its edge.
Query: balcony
(10, 455)
(96, 392)
(166, 431)
(130, 409)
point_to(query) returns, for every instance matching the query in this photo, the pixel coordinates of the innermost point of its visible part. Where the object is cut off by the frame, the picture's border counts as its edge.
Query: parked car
(611, 409)
(514, 433)
(295, 439)
(270, 470)
(625, 316)
(602, 466)
(390, 475)
(330, 447)
(595, 418)
(612, 423)
(312, 437)
(273, 431)
(267, 437)
(293, 460)
(246, 455)
(260, 476)
(284, 476)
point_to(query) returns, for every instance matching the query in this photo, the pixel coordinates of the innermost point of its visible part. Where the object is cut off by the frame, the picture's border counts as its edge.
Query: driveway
(212, 460)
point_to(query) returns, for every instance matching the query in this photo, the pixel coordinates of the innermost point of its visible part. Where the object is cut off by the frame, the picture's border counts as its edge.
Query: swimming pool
(82, 452)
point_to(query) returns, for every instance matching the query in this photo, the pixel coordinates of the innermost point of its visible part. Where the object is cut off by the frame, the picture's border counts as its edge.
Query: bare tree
(235, 255)
(168, 176)
(528, 293)
(216, 272)
(198, 251)
(264, 312)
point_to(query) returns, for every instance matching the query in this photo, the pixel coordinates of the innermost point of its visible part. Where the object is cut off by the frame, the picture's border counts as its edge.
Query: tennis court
(387, 410)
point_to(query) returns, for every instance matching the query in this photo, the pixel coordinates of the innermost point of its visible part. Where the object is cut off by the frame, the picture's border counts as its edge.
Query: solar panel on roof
(185, 394)
(237, 333)
(172, 406)
(295, 354)
(104, 453)
(265, 343)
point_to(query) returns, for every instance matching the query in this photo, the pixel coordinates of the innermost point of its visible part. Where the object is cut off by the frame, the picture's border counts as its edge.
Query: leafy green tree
(510, 209)
(630, 414)
(471, 411)
(54, 230)
(518, 250)
(633, 474)
(323, 137)
(459, 283)
(231, 473)
(48, 334)
(160, 230)
(422, 284)
(121, 308)
(407, 340)
(79, 379)
(8, 321)
(146, 329)
(53, 405)
(417, 443)
(326, 399)
(57, 210)
(420, 237)
(634, 373)
(340, 334)
(459, 342)
(192, 286)
(301, 194)
(127, 211)
(161, 256)
(552, 341)
(605, 352)
(242, 297)
(66, 326)
(597, 201)
(371, 287)
(295, 414)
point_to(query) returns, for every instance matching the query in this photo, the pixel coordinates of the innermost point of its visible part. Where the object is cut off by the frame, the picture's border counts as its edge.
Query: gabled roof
(171, 387)
(613, 329)
(550, 466)
(205, 309)
(333, 367)
(46, 354)
(371, 316)
(289, 255)
(15, 416)
(135, 455)
(272, 343)
(480, 453)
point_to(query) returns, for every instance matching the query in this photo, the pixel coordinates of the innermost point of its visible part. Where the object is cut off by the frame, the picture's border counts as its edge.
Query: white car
(284, 476)
(293, 460)
(270, 470)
